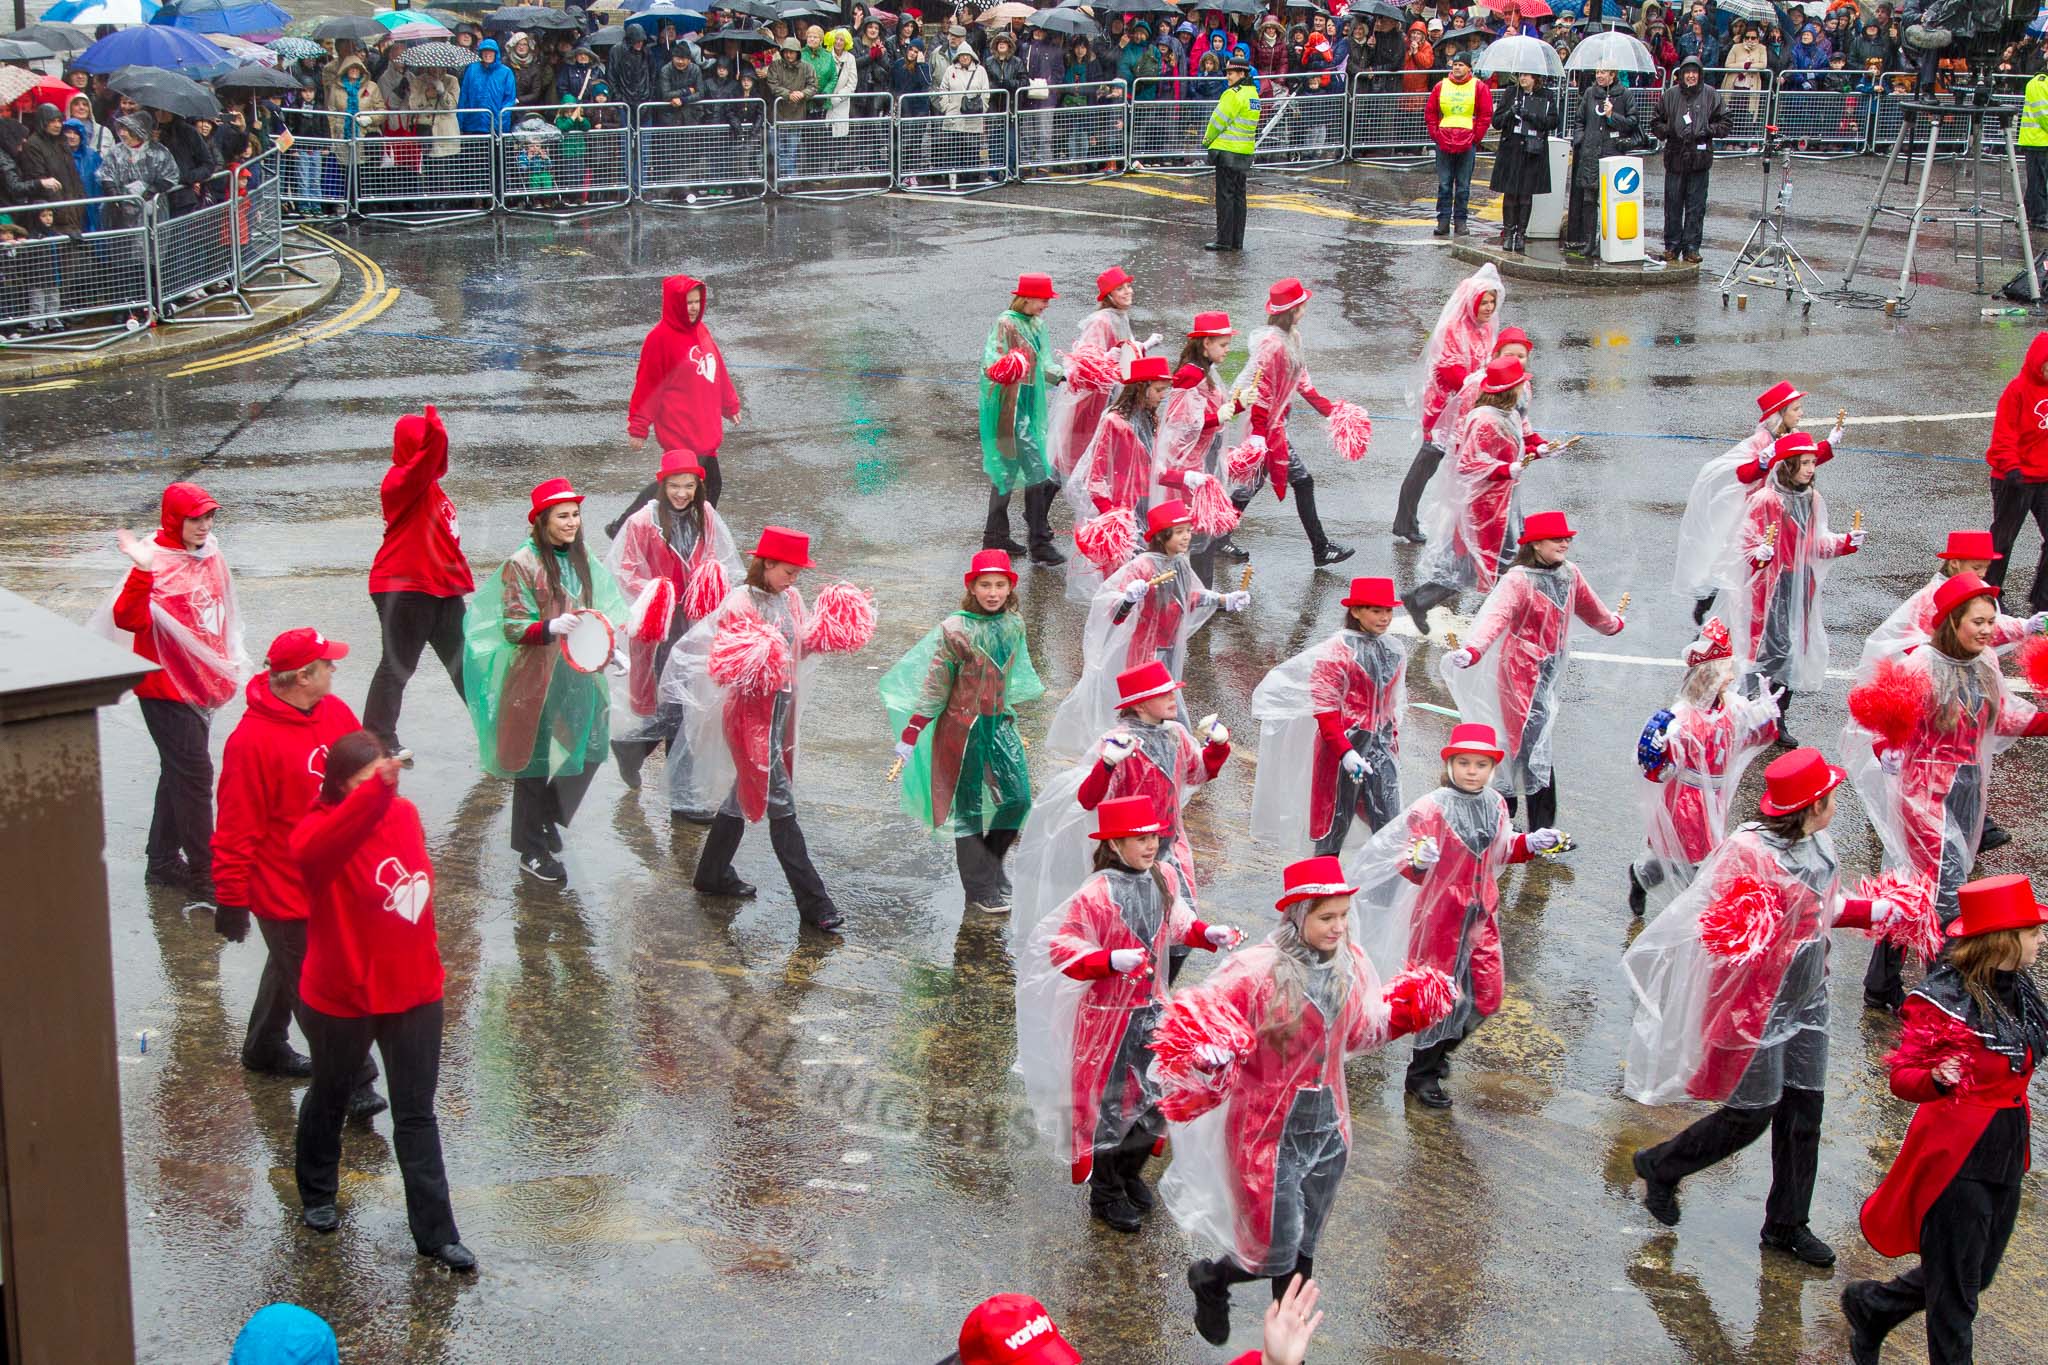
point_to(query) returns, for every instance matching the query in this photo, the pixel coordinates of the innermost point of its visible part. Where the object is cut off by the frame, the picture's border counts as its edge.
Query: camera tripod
(1767, 257)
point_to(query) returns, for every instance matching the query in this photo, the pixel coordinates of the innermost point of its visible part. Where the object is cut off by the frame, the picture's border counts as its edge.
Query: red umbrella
(51, 91)
(1528, 9)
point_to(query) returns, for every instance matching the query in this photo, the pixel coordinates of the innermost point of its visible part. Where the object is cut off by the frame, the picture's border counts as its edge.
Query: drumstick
(1450, 639)
(1245, 584)
(895, 771)
(1621, 607)
(1856, 521)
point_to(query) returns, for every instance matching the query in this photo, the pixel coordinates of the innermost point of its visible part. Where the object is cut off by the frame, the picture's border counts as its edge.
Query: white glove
(1236, 601)
(1193, 479)
(1125, 960)
(1425, 852)
(1763, 554)
(1892, 761)
(1544, 840)
(1662, 739)
(1214, 1056)
(904, 749)
(1856, 540)
(1149, 342)
(1210, 731)
(1883, 912)
(1136, 592)
(1117, 748)
(2037, 624)
(562, 624)
(1463, 657)
(1222, 935)
(1835, 434)
(1354, 765)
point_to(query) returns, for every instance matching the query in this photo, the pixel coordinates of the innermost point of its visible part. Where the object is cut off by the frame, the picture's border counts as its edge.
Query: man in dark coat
(629, 72)
(45, 158)
(1606, 125)
(1690, 115)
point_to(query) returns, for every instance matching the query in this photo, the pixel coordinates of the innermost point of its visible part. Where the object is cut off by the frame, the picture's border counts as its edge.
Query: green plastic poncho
(965, 677)
(536, 716)
(1013, 421)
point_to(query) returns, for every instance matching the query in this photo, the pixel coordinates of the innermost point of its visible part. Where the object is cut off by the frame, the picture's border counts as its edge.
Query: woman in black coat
(1524, 118)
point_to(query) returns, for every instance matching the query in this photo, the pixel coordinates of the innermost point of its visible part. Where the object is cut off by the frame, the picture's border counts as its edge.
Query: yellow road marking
(45, 387)
(371, 303)
(1288, 203)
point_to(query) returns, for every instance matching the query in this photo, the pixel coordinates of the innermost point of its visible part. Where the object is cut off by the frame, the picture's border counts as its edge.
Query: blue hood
(285, 1334)
(490, 45)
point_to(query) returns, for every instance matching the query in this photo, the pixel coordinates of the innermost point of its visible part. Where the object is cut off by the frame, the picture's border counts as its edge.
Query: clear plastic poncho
(1102, 346)
(1913, 621)
(194, 622)
(1473, 516)
(968, 773)
(642, 556)
(1115, 471)
(535, 716)
(1713, 509)
(1459, 403)
(1458, 338)
(1190, 434)
(1363, 679)
(1717, 1028)
(1014, 428)
(1714, 734)
(1773, 609)
(1522, 634)
(1157, 627)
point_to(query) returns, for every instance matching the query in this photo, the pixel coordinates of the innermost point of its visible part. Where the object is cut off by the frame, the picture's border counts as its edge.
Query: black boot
(1038, 524)
(1212, 1301)
(1638, 899)
(1995, 835)
(1420, 599)
(1785, 736)
(812, 902)
(995, 529)
(640, 500)
(715, 876)
(1325, 550)
(631, 754)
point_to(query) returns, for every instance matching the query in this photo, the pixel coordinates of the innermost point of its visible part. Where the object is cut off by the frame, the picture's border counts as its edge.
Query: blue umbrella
(91, 13)
(222, 16)
(170, 49)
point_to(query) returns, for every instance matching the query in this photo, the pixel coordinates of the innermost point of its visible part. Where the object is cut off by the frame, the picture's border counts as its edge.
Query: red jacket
(682, 390)
(2019, 429)
(370, 942)
(131, 607)
(269, 777)
(422, 549)
(1459, 139)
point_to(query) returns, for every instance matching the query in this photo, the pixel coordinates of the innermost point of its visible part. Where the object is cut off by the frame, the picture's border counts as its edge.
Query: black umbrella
(745, 37)
(474, 5)
(56, 37)
(1145, 7)
(438, 56)
(1462, 34)
(357, 29)
(532, 17)
(1374, 9)
(757, 9)
(1070, 22)
(23, 50)
(154, 88)
(1244, 7)
(804, 9)
(255, 77)
(611, 35)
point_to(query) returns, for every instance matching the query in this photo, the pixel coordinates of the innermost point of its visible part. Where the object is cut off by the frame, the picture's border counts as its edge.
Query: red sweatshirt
(2019, 428)
(682, 390)
(422, 549)
(131, 607)
(370, 942)
(269, 776)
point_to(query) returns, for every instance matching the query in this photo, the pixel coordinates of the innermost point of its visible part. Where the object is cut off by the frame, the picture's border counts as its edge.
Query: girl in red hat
(1525, 624)
(539, 721)
(1731, 989)
(1189, 452)
(741, 675)
(1115, 472)
(1460, 343)
(1972, 1033)
(674, 559)
(1098, 361)
(1694, 753)
(1252, 1068)
(1473, 520)
(1432, 875)
(1921, 735)
(1512, 343)
(1014, 425)
(1275, 373)
(176, 608)
(1333, 712)
(1090, 988)
(952, 700)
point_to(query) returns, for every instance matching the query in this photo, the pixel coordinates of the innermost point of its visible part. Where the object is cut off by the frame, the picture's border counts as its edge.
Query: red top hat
(294, 649)
(990, 561)
(1969, 545)
(1166, 515)
(1546, 526)
(1372, 592)
(1512, 336)
(547, 495)
(1286, 294)
(1035, 287)
(1955, 591)
(679, 462)
(1793, 443)
(1992, 903)
(1147, 368)
(1189, 376)
(1126, 816)
(1472, 738)
(1312, 879)
(1775, 397)
(1713, 644)
(1133, 685)
(1113, 278)
(1013, 1329)
(781, 543)
(1797, 780)
(1211, 325)
(1502, 375)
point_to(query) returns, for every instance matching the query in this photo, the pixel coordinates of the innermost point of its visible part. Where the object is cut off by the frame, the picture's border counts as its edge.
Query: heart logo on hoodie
(405, 893)
(706, 363)
(316, 761)
(2041, 413)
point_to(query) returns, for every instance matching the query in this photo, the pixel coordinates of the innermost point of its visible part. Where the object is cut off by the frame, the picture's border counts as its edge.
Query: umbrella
(438, 56)
(89, 14)
(222, 16)
(477, 5)
(171, 49)
(257, 78)
(1520, 55)
(1005, 12)
(396, 19)
(421, 31)
(1070, 22)
(1147, 7)
(611, 35)
(22, 50)
(802, 9)
(354, 27)
(745, 37)
(1375, 9)
(166, 90)
(1761, 11)
(531, 17)
(1614, 51)
(14, 83)
(764, 9)
(295, 49)
(1528, 9)
(1247, 8)
(242, 50)
(56, 37)
(1465, 34)
(654, 16)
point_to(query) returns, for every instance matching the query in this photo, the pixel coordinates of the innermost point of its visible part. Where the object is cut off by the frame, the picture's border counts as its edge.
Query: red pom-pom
(1193, 1086)
(1011, 367)
(842, 620)
(749, 656)
(652, 611)
(1930, 1038)
(1917, 928)
(1091, 369)
(1891, 704)
(1350, 430)
(1743, 921)
(1108, 541)
(2034, 659)
(1243, 462)
(1420, 997)
(707, 589)
(1214, 513)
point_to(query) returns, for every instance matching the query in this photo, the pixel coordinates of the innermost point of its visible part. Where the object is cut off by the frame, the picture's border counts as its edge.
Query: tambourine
(588, 645)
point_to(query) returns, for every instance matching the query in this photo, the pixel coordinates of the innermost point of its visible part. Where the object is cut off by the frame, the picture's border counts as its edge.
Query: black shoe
(1212, 1303)
(1799, 1243)
(1139, 1193)
(1047, 555)
(1442, 230)
(732, 887)
(365, 1104)
(1659, 1198)
(321, 1217)
(1638, 899)
(1232, 551)
(1216, 246)
(631, 757)
(1008, 545)
(1417, 615)
(1413, 537)
(690, 817)
(1888, 1001)
(455, 1256)
(1458, 228)
(543, 867)
(1333, 553)
(287, 1062)
(1994, 836)
(830, 922)
(554, 838)
(1866, 1339)
(1429, 1094)
(1120, 1214)
(176, 874)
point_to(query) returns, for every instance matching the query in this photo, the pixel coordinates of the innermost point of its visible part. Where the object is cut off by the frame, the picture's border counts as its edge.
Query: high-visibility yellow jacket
(1234, 126)
(2034, 117)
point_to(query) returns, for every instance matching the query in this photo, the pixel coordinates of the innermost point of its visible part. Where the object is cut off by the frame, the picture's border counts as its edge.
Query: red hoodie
(2019, 430)
(131, 607)
(370, 942)
(682, 390)
(422, 549)
(269, 775)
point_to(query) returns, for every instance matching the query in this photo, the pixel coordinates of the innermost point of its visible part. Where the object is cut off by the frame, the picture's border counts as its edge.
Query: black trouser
(1225, 1272)
(1542, 807)
(1962, 1240)
(1514, 212)
(1115, 1168)
(1230, 204)
(1794, 1122)
(539, 804)
(1881, 980)
(2037, 186)
(1582, 222)
(1685, 209)
(995, 528)
(1420, 470)
(277, 999)
(1432, 1063)
(722, 840)
(410, 621)
(707, 489)
(411, 1044)
(2011, 505)
(980, 858)
(182, 822)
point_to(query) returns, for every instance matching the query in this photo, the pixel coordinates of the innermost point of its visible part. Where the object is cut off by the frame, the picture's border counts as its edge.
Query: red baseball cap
(1116, 277)
(1014, 1329)
(781, 543)
(1035, 287)
(295, 649)
(1969, 545)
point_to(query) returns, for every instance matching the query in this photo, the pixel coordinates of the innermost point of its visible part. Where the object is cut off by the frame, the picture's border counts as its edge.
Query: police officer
(2034, 147)
(1231, 137)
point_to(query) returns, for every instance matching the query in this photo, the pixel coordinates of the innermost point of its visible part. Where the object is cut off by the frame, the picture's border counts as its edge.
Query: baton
(1124, 610)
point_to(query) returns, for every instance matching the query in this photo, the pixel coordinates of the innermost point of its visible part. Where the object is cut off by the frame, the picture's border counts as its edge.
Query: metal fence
(1302, 121)
(961, 147)
(1075, 132)
(834, 152)
(1391, 127)
(720, 157)
(421, 173)
(197, 254)
(1167, 124)
(59, 292)
(566, 161)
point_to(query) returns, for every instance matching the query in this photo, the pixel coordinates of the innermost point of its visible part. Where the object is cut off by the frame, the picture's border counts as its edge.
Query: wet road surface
(684, 1131)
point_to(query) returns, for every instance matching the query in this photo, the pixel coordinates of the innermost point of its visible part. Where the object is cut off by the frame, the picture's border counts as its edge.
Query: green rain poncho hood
(966, 676)
(1013, 421)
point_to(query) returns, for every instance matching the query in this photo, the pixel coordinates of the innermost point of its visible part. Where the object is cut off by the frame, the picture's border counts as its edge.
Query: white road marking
(1825, 422)
(1011, 206)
